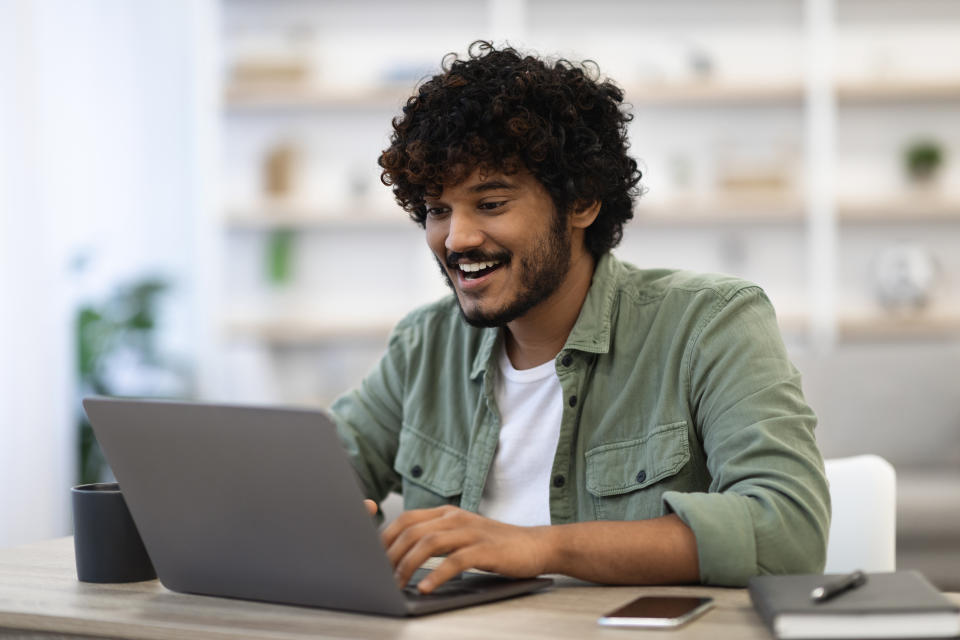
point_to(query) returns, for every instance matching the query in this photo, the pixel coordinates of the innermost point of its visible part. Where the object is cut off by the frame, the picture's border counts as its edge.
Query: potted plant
(922, 160)
(117, 354)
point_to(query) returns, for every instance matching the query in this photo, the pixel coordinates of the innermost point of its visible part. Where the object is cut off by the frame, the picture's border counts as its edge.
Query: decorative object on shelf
(904, 276)
(280, 168)
(275, 60)
(923, 160)
(700, 64)
(280, 256)
(273, 72)
(760, 169)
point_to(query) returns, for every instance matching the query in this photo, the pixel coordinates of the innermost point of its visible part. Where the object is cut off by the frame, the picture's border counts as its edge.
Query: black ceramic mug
(105, 539)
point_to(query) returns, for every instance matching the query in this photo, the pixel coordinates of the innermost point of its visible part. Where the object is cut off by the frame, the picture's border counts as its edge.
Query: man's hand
(469, 541)
(656, 551)
(371, 507)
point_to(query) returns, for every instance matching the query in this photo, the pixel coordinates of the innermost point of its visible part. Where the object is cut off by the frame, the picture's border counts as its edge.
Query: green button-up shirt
(678, 398)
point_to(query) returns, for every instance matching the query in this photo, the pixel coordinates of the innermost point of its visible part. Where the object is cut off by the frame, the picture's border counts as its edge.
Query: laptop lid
(256, 503)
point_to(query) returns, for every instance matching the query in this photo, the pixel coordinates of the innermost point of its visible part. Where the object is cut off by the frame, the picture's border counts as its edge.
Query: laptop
(261, 504)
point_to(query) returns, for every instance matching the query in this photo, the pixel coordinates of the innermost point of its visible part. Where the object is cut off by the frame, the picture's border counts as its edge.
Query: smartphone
(657, 611)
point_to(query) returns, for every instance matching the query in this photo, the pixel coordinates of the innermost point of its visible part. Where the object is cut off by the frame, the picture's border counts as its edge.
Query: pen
(835, 588)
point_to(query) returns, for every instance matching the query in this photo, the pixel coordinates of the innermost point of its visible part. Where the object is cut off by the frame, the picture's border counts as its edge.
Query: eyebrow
(482, 187)
(492, 185)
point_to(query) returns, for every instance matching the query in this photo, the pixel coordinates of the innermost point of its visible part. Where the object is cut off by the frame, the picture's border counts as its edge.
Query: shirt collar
(591, 331)
(485, 354)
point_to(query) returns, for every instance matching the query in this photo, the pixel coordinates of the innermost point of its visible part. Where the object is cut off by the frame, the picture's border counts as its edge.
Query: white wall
(34, 379)
(100, 136)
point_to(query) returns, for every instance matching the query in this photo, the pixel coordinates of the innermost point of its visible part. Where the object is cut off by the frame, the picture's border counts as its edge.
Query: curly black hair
(500, 110)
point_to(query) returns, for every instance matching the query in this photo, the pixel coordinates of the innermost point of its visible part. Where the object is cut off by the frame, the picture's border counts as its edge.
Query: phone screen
(657, 611)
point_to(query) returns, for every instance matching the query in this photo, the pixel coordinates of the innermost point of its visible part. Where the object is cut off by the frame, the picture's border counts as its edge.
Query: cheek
(436, 236)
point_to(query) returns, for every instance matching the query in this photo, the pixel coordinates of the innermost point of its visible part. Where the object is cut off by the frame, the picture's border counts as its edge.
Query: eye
(491, 205)
(437, 211)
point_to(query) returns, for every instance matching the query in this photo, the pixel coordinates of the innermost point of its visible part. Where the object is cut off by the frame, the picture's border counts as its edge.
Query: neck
(540, 334)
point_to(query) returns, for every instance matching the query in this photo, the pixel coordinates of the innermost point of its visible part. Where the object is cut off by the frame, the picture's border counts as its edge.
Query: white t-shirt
(531, 407)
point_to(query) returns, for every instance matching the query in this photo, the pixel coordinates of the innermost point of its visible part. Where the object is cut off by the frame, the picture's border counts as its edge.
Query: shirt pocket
(432, 472)
(627, 479)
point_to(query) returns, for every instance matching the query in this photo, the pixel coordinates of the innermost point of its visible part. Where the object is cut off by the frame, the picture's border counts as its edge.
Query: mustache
(475, 255)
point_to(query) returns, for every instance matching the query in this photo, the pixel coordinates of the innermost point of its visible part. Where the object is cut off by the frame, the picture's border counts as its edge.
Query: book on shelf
(898, 604)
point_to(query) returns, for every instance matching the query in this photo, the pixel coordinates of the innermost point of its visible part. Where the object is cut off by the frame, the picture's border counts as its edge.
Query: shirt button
(559, 481)
(567, 360)
(641, 477)
(573, 401)
(417, 471)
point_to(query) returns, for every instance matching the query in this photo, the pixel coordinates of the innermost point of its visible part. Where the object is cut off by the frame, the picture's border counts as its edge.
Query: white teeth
(470, 267)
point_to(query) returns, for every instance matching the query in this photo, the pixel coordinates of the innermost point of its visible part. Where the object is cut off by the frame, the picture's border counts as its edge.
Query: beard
(542, 271)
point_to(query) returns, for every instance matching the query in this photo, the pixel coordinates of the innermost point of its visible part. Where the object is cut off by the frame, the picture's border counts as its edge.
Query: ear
(584, 213)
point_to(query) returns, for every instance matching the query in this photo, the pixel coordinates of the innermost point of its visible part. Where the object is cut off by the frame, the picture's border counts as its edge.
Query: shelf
(905, 210)
(287, 96)
(714, 93)
(873, 325)
(721, 209)
(265, 97)
(277, 215)
(773, 93)
(899, 91)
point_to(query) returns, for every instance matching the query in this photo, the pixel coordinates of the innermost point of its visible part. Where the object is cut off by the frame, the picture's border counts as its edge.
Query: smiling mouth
(475, 270)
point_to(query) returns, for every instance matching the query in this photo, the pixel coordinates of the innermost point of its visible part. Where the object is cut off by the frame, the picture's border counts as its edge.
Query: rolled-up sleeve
(767, 510)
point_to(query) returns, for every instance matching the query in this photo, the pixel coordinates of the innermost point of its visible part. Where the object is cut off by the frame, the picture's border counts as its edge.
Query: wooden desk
(39, 591)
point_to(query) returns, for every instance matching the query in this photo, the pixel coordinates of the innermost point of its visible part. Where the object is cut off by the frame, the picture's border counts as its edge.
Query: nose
(463, 232)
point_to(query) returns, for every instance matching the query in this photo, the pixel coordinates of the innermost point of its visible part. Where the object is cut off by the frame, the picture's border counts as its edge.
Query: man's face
(500, 244)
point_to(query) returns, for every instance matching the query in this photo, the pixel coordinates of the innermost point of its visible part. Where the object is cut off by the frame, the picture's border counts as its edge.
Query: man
(565, 412)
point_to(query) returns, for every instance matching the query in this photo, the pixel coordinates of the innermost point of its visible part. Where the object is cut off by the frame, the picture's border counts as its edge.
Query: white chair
(863, 529)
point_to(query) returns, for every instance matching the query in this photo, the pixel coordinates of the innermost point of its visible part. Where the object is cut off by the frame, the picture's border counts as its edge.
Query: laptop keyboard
(443, 591)
(454, 587)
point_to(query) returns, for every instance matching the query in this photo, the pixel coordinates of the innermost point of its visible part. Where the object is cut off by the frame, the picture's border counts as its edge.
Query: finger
(432, 544)
(371, 507)
(412, 535)
(406, 520)
(422, 524)
(452, 566)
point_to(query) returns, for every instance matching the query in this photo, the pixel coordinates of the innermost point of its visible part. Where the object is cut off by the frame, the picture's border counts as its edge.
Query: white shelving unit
(747, 122)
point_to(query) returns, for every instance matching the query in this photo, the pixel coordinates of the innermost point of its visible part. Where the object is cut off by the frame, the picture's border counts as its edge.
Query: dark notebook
(901, 604)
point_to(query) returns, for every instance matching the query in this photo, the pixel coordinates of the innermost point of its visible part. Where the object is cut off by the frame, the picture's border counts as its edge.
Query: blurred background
(191, 206)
